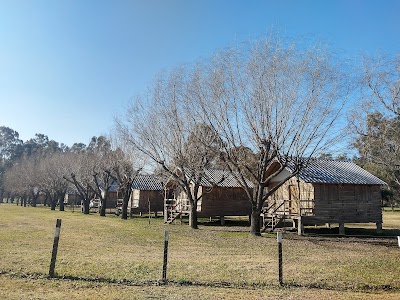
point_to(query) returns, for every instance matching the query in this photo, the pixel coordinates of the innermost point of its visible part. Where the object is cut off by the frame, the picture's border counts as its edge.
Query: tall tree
(276, 99)
(374, 121)
(164, 127)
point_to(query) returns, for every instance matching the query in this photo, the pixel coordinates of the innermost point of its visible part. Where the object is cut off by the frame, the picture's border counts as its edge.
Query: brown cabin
(221, 195)
(147, 195)
(325, 192)
(113, 196)
(72, 197)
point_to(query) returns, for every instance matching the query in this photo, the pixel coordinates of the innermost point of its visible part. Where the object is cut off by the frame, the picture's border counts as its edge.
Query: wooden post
(164, 272)
(148, 203)
(55, 248)
(222, 218)
(280, 270)
(378, 227)
(300, 226)
(341, 229)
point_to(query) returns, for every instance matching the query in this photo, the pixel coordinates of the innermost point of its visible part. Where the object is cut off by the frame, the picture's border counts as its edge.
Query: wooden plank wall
(306, 193)
(156, 200)
(225, 202)
(347, 203)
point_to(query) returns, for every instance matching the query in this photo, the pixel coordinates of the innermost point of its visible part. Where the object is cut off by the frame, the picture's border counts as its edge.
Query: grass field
(108, 258)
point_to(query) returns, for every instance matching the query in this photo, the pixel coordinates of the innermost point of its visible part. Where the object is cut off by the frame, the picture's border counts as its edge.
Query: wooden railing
(177, 205)
(291, 207)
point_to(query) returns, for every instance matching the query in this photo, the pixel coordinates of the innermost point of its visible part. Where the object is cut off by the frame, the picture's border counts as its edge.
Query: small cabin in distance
(147, 194)
(221, 195)
(325, 192)
(72, 197)
(112, 198)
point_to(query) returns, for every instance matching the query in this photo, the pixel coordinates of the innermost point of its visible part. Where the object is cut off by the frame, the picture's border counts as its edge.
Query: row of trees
(89, 171)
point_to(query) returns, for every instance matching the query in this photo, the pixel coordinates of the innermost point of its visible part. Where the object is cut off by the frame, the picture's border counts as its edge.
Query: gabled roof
(147, 183)
(339, 172)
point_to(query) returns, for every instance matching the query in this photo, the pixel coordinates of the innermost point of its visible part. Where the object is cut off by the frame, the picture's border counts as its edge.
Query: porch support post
(341, 229)
(300, 226)
(378, 227)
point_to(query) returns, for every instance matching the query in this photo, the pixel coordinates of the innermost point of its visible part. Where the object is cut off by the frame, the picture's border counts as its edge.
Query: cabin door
(293, 205)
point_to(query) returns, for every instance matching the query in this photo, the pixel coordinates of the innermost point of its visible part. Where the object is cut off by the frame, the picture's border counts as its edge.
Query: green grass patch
(111, 250)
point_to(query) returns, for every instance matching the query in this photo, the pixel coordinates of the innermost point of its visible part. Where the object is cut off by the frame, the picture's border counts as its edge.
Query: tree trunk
(61, 201)
(85, 206)
(255, 226)
(53, 202)
(125, 205)
(34, 199)
(24, 198)
(193, 216)
(103, 206)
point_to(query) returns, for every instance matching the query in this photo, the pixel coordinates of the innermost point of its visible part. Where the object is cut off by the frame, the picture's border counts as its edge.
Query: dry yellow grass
(110, 249)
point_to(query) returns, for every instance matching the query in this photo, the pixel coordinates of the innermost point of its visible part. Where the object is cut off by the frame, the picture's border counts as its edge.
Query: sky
(67, 67)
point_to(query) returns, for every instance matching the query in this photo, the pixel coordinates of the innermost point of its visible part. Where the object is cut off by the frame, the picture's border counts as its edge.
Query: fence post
(148, 203)
(55, 248)
(280, 271)
(164, 272)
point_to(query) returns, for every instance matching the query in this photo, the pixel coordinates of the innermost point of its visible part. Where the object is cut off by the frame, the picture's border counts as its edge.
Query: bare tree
(127, 167)
(272, 103)
(81, 177)
(164, 127)
(52, 170)
(381, 83)
(375, 120)
(263, 103)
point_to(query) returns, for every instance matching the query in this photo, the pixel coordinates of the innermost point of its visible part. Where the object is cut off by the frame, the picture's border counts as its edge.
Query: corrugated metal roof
(340, 172)
(147, 183)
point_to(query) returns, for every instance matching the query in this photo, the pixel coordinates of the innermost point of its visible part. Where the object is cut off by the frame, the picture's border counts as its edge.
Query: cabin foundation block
(300, 227)
(378, 227)
(341, 229)
(222, 218)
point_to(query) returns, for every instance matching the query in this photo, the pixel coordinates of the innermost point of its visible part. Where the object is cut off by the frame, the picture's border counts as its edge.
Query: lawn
(109, 258)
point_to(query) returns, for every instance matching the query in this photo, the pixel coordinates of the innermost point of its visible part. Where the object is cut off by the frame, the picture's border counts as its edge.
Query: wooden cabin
(113, 195)
(325, 192)
(147, 195)
(72, 197)
(221, 195)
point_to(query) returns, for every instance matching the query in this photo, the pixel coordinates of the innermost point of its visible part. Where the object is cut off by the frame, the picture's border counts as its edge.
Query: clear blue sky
(67, 67)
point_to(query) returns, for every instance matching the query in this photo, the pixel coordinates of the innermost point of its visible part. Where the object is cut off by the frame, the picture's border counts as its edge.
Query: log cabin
(220, 195)
(325, 192)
